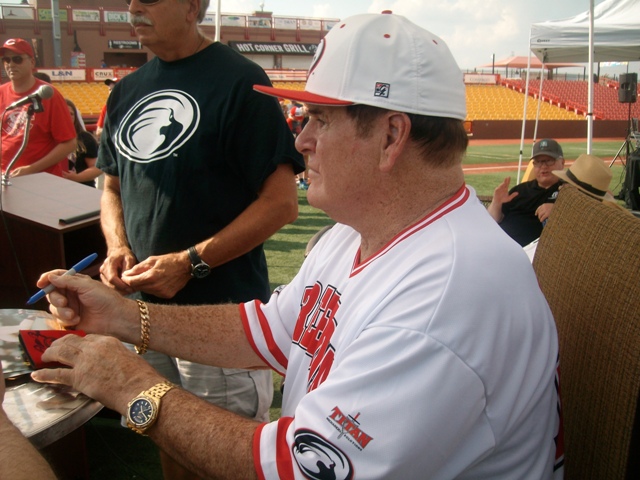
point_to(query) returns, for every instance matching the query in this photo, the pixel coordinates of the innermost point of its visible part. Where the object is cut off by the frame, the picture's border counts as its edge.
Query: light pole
(55, 31)
(493, 64)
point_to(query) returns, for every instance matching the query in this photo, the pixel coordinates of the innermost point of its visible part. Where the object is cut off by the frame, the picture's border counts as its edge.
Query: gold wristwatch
(142, 411)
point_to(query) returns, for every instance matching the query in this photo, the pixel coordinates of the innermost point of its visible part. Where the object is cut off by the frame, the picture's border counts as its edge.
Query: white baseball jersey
(435, 358)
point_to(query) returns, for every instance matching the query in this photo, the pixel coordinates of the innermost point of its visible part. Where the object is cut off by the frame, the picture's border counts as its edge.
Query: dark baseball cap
(549, 147)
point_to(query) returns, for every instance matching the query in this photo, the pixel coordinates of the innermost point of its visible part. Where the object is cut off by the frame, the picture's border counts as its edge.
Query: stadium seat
(89, 97)
(497, 102)
(574, 95)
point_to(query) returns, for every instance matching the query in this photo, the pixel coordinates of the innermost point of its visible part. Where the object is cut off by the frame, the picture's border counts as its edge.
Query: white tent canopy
(609, 32)
(616, 35)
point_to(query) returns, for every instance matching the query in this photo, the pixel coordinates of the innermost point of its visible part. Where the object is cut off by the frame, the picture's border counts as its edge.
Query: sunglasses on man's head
(17, 59)
(144, 2)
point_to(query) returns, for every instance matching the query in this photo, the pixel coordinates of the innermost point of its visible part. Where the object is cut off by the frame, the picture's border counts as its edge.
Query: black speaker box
(628, 91)
(632, 181)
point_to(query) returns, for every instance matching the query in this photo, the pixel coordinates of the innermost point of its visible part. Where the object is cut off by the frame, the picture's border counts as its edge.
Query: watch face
(141, 412)
(201, 270)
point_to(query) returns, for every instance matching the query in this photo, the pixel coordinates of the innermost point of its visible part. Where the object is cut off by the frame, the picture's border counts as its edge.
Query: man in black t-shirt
(523, 210)
(199, 172)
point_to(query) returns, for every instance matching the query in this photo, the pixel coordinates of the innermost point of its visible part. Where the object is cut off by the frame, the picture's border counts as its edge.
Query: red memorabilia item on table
(35, 342)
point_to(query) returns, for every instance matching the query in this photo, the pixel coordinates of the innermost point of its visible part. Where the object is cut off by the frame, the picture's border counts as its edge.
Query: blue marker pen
(78, 267)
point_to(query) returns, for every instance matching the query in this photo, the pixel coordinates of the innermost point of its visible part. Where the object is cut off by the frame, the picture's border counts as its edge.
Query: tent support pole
(535, 130)
(591, 85)
(524, 114)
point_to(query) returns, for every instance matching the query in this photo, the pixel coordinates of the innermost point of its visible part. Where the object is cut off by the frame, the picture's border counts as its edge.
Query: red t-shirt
(48, 128)
(103, 114)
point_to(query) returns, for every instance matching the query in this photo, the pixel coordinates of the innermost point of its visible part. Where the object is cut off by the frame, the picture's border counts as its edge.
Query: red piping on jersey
(284, 464)
(268, 337)
(458, 199)
(256, 451)
(283, 452)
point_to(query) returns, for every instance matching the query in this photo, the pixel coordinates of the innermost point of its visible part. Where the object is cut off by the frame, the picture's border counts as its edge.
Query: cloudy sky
(474, 29)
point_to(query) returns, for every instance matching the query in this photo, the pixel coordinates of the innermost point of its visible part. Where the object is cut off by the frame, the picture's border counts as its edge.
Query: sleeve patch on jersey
(349, 428)
(319, 459)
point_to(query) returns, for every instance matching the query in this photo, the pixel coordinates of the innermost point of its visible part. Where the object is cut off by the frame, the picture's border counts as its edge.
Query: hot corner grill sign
(125, 44)
(274, 48)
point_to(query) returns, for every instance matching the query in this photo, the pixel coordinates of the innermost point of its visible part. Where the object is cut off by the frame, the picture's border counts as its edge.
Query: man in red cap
(51, 135)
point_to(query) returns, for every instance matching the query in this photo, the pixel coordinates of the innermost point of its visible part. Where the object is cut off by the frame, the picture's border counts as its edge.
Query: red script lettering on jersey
(314, 328)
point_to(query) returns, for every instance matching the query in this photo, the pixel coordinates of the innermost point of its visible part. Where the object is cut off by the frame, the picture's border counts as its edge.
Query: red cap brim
(300, 96)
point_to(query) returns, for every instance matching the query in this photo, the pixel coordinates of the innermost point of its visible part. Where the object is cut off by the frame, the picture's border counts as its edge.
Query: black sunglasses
(17, 59)
(144, 2)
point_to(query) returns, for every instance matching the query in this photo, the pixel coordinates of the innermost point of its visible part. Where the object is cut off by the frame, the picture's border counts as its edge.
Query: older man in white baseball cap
(415, 340)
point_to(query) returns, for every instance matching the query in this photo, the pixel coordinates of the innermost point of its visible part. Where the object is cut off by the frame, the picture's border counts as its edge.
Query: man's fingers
(43, 281)
(57, 299)
(74, 282)
(53, 375)
(64, 350)
(65, 315)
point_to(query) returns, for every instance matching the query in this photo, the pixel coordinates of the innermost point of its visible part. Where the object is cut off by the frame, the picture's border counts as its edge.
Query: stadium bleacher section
(495, 102)
(572, 96)
(562, 100)
(89, 97)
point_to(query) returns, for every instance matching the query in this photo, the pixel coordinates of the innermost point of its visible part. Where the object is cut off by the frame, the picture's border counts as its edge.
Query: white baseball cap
(385, 61)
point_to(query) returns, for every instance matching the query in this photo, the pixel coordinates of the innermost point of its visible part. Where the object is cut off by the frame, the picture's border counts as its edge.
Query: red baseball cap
(19, 46)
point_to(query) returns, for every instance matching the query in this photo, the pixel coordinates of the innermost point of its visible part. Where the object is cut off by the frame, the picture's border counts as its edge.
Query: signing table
(43, 413)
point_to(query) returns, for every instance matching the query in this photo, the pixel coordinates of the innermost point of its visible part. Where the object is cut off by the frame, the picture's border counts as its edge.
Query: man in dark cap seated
(522, 211)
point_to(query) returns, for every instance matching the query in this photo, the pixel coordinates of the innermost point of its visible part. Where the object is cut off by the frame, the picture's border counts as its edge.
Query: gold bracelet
(145, 328)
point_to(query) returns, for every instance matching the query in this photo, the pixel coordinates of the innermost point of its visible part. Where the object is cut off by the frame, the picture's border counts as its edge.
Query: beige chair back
(588, 266)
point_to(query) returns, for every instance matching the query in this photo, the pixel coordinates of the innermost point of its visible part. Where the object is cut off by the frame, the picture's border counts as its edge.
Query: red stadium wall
(509, 129)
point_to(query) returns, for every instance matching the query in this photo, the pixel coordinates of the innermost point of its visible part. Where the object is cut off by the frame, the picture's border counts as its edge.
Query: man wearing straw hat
(589, 175)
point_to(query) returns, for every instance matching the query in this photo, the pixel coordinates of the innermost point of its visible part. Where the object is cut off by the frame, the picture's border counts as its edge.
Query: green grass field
(507, 153)
(484, 183)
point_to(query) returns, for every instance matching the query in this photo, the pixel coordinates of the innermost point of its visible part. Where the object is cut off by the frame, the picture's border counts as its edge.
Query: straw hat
(589, 174)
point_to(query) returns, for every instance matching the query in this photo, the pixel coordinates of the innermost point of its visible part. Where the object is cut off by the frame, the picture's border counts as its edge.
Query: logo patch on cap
(382, 90)
(316, 57)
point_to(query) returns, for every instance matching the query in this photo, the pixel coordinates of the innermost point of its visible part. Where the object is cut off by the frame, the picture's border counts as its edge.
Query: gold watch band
(145, 328)
(159, 389)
